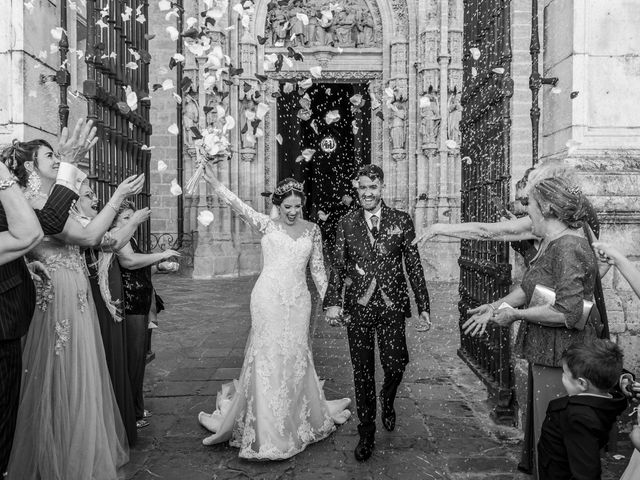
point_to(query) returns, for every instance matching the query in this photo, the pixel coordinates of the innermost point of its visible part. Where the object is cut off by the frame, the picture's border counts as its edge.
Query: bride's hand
(427, 235)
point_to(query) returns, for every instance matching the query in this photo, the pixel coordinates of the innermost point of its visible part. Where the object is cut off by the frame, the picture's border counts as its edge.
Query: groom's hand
(424, 323)
(333, 315)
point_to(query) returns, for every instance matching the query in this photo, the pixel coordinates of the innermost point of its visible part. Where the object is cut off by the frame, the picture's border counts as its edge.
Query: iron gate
(485, 272)
(112, 50)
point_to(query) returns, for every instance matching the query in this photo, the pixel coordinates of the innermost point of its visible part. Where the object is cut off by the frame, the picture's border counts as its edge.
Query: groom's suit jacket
(365, 267)
(17, 292)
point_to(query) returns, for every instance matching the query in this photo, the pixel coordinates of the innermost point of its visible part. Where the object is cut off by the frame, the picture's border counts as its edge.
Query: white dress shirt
(368, 215)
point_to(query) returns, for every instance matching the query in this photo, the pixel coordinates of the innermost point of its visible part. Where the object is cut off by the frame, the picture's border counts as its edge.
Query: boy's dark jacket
(575, 429)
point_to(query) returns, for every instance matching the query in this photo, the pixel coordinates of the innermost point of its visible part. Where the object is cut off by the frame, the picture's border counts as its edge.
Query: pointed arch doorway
(341, 146)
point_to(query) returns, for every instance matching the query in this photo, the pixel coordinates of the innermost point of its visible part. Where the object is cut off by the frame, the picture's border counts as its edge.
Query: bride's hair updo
(15, 155)
(562, 199)
(286, 188)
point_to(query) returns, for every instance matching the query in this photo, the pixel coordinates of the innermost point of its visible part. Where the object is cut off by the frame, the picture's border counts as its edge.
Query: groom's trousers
(389, 325)
(10, 375)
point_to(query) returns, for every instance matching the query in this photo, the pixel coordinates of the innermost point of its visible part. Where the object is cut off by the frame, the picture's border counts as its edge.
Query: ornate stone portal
(398, 48)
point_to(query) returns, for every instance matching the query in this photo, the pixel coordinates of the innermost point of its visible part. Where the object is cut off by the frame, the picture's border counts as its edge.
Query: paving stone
(443, 429)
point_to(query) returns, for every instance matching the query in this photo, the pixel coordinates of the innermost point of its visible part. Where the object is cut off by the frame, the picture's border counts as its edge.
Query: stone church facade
(411, 48)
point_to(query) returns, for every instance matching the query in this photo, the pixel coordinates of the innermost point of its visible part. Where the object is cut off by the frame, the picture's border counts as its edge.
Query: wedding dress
(277, 407)
(69, 426)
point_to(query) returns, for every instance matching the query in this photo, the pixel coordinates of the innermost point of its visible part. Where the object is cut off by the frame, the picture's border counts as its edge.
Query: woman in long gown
(277, 407)
(68, 426)
(105, 279)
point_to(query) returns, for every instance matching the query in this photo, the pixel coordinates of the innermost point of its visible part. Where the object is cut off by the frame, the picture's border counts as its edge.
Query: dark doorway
(340, 147)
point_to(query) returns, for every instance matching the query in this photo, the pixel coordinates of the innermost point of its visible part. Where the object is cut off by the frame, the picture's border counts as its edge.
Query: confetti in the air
(332, 117)
(556, 90)
(425, 101)
(475, 53)
(162, 166)
(316, 71)
(175, 189)
(498, 70)
(205, 218)
(173, 129)
(164, 5)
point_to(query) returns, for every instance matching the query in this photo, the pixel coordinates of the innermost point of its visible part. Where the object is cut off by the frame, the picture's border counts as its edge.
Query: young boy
(577, 426)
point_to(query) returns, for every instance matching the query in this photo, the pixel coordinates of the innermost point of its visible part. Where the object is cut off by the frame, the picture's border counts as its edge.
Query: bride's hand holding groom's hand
(333, 315)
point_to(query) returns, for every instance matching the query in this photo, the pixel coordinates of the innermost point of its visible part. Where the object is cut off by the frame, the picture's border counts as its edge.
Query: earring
(29, 166)
(33, 185)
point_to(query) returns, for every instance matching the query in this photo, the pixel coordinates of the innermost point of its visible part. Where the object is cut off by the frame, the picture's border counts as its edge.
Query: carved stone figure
(344, 24)
(247, 104)
(310, 31)
(190, 115)
(455, 115)
(366, 35)
(397, 124)
(277, 25)
(430, 121)
(297, 29)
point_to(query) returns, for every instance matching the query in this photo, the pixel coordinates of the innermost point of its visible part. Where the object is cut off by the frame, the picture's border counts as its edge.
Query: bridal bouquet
(211, 147)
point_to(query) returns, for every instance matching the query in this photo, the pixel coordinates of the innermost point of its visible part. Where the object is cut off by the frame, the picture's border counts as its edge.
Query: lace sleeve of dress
(257, 220)
(318, 272)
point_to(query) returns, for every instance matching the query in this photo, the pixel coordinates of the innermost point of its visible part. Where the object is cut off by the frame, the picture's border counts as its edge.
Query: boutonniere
(394, 231)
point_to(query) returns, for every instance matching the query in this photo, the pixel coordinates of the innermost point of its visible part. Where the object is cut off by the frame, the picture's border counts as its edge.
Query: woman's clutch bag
(547, 296)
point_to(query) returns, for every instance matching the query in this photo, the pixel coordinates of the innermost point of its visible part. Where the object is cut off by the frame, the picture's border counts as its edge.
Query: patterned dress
(69, 426)
(277, 407)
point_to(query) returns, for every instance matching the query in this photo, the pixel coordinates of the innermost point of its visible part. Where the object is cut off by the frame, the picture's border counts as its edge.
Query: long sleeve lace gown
(277, 407)
(69, 425)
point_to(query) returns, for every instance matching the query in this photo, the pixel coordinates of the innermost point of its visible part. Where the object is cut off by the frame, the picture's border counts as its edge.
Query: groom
(371, 244)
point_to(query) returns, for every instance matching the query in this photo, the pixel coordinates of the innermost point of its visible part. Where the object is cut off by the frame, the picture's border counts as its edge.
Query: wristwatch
(7, 182)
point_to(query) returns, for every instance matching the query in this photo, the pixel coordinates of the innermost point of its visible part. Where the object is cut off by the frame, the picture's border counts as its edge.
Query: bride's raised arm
(318, 272)
(257, 220)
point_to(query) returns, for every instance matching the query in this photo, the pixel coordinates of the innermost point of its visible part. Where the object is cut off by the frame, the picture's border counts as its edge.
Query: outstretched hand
(607, 253)
(75, 148)
(132, 185)
(477, 323)
(427, 235)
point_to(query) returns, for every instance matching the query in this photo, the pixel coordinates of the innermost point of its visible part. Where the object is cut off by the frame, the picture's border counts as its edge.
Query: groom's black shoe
(388, 413)
(364, 449)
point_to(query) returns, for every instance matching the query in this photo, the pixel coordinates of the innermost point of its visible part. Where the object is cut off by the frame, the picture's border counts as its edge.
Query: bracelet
(492, 308)
(7, 183)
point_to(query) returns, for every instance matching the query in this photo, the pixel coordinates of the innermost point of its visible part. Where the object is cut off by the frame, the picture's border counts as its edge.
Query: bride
(277, 407)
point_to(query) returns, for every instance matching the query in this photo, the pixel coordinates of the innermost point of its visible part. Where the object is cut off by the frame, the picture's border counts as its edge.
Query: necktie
(374, 226)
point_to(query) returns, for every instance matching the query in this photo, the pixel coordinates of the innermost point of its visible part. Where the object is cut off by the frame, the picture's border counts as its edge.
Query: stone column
(593, 123)
(397, 121)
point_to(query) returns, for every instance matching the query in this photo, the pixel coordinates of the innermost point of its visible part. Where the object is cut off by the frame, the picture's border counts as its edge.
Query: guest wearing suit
(17, 291)
(372, 244)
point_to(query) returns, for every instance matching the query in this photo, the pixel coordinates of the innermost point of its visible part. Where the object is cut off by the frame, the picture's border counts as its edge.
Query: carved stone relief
(352, 24)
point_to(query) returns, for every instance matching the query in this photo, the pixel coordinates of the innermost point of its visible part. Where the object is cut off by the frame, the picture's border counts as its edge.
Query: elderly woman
(565, 263)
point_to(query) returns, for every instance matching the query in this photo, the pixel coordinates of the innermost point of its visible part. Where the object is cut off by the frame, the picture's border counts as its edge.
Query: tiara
(289, 186)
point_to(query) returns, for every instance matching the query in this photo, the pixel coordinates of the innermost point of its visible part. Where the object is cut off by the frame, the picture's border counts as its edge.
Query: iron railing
(123, 131)
(485, 272)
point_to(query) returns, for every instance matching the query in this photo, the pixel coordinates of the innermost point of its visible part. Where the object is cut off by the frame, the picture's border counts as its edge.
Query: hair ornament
(575, 190)
(288, 187)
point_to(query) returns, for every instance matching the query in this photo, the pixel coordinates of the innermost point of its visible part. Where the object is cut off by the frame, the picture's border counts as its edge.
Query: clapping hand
(333, 316)
(75, 148)
(170, 253)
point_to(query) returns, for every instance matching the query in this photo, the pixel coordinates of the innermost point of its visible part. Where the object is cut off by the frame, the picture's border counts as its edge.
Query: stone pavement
(443, 429)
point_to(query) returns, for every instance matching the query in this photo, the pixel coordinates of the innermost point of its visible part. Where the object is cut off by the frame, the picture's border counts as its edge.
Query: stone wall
(164, 206)
(593, 124)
